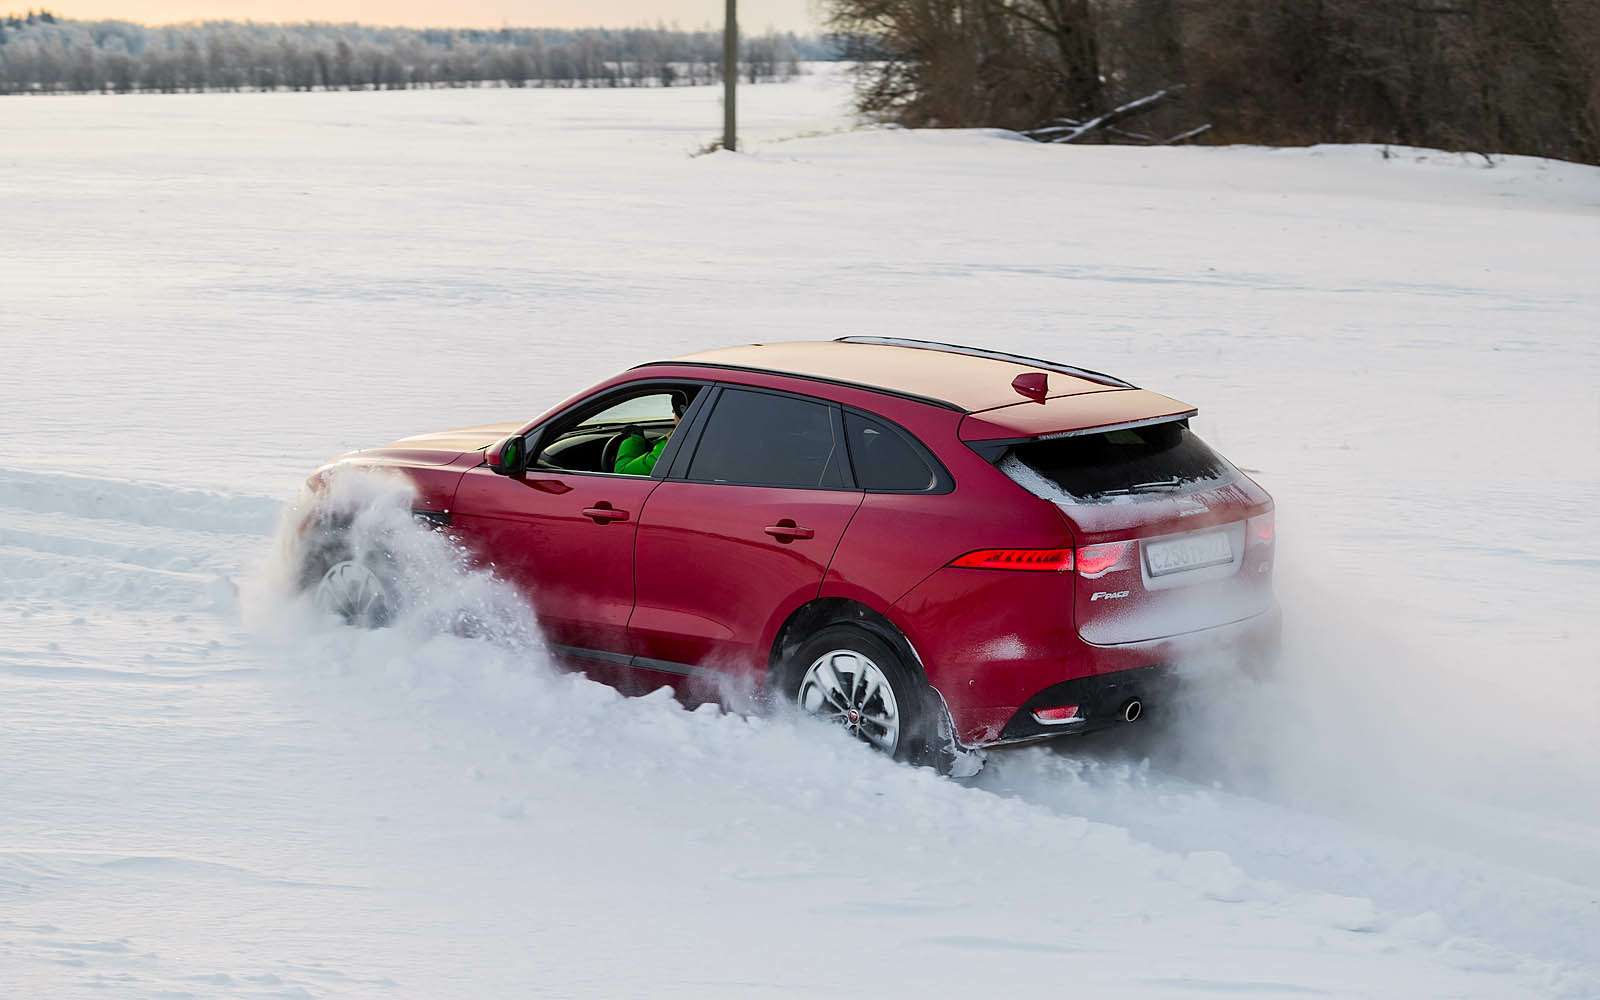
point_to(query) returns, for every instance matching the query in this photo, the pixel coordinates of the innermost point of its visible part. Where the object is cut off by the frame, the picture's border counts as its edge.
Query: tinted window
(883, 459)
(766, 440)
(1163, 458)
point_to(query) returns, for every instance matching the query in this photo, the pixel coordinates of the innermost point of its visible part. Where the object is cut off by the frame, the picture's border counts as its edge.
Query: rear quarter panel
(899, 539)
(990, 640)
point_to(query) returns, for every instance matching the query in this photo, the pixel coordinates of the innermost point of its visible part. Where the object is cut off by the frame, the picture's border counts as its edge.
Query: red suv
(940, 547)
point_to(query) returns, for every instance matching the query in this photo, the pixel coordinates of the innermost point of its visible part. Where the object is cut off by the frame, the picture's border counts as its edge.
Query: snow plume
(367, 516)
(1394, 771)
(1362, 719)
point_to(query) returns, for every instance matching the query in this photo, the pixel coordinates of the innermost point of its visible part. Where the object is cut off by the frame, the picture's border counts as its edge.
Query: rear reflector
(1056, 716)
(1098, 560)
(1262, 529)
(1038, 560)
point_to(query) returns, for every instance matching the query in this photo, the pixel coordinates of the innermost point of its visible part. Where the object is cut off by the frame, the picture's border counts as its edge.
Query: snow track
(207, 791)
(120, 543)
(1373, 880)
(141, 504)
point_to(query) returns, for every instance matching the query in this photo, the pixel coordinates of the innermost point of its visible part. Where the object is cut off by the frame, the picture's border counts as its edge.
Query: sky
(754, 15)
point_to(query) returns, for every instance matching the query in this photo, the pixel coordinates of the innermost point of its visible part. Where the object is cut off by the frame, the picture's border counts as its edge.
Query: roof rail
(978, 352)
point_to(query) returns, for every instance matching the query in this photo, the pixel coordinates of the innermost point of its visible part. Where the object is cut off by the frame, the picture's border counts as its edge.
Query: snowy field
(205, 792)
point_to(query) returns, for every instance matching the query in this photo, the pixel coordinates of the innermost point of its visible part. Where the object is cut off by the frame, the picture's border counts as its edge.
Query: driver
(637, 456)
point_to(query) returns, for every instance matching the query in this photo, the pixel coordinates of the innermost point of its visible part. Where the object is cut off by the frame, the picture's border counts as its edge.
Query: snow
(208, 791)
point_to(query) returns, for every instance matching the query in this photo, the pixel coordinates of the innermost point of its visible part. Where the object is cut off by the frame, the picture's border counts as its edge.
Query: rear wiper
(1150, 487)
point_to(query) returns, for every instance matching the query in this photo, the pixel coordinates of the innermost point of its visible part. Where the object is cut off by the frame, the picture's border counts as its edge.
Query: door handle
(787, 531)
(602, 513)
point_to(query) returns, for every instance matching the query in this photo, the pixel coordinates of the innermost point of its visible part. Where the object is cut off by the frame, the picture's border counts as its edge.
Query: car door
(741, 532)
(565, 537)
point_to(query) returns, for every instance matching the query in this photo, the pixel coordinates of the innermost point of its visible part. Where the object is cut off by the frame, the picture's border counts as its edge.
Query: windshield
(1142, 461)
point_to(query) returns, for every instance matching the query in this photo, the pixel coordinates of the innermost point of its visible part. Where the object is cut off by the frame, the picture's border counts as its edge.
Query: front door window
(619, 436)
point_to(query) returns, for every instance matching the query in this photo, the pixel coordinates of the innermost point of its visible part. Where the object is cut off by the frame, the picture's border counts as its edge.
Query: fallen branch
(1066, 130)
(1144, 137)
(1061, 125)
(1198, 130)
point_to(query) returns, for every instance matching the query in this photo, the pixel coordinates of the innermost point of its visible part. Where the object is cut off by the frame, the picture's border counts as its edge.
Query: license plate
(1190, 552)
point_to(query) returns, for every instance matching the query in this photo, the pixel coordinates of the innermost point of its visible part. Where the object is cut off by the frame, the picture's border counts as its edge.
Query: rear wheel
(847, 687)
(852, 677)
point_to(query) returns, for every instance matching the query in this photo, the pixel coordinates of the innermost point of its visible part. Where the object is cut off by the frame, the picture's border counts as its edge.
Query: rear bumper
(1100, 700)
(1101, 679)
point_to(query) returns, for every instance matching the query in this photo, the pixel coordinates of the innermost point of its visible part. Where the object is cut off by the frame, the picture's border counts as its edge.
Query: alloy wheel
(353, 592)
(846, 687)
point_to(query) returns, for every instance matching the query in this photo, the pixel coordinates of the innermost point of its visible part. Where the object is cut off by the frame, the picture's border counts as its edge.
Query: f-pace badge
(1189, 507)
(1109, 595)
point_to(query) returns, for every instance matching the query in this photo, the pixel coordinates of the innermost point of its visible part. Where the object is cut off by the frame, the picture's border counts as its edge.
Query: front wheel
(855, 679)
(355, 592)
(342, 579)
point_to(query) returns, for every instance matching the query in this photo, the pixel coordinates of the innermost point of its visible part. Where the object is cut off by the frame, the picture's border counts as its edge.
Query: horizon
(755, 16)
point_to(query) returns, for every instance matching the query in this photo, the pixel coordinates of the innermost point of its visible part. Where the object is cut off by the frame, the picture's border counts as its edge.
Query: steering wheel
(608, 454)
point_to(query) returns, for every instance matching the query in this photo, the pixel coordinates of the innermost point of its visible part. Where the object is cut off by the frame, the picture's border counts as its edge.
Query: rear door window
(883, 459)
(1157, 460)
(764, 439)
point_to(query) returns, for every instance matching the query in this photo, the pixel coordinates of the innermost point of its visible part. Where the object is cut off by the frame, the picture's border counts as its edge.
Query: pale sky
(754, 15)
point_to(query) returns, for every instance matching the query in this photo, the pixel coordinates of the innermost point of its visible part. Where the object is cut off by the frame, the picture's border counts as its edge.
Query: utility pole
(730, 75)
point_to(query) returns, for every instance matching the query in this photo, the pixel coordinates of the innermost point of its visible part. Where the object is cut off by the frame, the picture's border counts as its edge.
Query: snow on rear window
(1117, 465)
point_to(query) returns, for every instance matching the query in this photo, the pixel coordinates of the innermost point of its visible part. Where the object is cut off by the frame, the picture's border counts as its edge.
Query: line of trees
(1510, 76)
(42, 53)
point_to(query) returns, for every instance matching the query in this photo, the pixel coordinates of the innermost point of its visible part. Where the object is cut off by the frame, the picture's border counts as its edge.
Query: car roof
(967, 379)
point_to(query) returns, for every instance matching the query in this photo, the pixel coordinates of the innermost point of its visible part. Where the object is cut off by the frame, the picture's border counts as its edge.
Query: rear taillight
(1091, 560)
(1038, 560)
(1098, 560)
(1261, 529)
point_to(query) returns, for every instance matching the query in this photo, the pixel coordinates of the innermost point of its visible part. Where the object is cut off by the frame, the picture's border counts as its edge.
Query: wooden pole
(730, 75)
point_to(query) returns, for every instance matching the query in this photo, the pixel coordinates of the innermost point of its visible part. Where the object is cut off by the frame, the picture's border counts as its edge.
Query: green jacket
(636, 457)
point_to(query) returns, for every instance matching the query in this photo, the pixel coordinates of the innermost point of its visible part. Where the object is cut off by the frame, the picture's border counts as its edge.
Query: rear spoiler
(1177, 418)
(1070, 416)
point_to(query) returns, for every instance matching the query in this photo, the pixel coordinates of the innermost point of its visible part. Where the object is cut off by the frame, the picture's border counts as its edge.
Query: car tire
(357, 587)
(856, 678)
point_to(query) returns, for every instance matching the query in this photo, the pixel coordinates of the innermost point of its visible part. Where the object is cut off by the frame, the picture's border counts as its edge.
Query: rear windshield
(1143, 461)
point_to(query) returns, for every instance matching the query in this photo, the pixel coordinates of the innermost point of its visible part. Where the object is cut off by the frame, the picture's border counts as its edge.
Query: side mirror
(509, 457)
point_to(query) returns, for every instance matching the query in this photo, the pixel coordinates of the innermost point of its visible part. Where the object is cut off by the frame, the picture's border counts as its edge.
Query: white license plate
(1190, 552)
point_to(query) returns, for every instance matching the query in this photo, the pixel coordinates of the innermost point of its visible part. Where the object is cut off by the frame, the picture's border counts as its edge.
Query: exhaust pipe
(1131, 710)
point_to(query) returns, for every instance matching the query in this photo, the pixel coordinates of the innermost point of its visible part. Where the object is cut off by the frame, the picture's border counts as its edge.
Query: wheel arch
(942, 748)
(822, 612)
